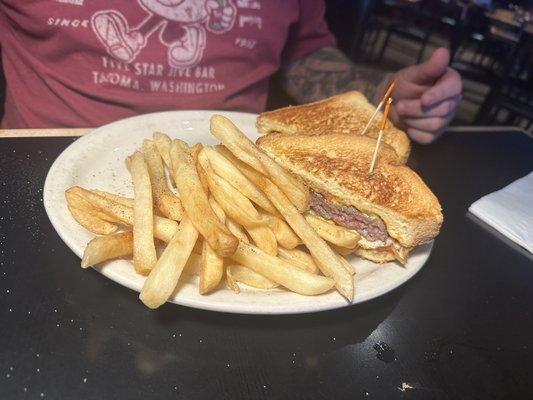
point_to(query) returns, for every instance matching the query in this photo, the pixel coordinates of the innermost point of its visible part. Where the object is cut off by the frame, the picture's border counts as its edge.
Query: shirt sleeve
(309, 33)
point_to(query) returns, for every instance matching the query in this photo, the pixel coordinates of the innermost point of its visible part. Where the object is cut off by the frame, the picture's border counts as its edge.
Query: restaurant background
(460, 329)
(490, 41)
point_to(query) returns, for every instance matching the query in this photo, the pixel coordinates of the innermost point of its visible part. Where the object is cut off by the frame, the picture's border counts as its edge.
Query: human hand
(426, 97)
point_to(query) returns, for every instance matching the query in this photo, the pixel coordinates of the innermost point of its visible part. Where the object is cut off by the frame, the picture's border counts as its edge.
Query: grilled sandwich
(392, 209)
(345, 113)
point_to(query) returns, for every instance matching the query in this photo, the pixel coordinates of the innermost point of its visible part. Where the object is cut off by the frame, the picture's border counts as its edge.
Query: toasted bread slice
(345, 113)
(384, 254)
(336, 166)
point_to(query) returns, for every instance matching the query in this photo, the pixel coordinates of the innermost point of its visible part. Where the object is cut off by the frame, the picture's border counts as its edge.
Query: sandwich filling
(371, 228)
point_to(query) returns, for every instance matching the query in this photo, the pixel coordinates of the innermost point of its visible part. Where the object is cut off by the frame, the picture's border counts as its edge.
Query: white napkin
(510, 211)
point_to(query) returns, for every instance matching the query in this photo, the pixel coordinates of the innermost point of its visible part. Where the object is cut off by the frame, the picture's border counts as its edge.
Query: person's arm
(328, 72)
(426, 95)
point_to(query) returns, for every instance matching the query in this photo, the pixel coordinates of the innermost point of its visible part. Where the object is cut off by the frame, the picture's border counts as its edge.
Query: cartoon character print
(182, 28)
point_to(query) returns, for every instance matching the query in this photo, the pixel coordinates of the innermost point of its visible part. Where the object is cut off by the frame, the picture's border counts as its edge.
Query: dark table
(462, 328)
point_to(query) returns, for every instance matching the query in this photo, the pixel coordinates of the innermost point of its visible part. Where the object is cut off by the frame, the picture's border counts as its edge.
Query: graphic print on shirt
(182, 26)
(74, 2)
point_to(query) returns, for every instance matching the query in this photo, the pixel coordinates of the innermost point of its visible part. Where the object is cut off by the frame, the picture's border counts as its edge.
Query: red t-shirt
(77, 63)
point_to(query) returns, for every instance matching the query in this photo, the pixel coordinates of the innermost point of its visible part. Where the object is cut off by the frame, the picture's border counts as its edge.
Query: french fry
(164, 228)
(219, 212)
(163, 142)
(198, 247)
(332, 233)
(107, 217)
(192, 267)
(164, 277)
(87, 216)
(264, 238)
(211, 269)
(144, 254)
(325, 258)
(167, 202)
(211, 264)
(283, 232)
(196, 203)
(231, 282)
(125, 201)
(249, 277)
(94, 221)
(221, 188)
(347, 266)
(281, 271)
(237, 230)
(195, 151)
(229, 172)
(236, 142)
(247, 151)
(105, 248)
(233, 202)
(299, 258)
(76, 201)
(247, 170)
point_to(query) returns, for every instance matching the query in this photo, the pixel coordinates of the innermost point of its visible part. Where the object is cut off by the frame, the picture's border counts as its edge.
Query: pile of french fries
(238, 216)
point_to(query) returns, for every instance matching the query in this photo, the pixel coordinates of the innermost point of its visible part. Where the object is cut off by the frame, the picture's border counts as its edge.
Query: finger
(429, 125)
(449, 85)
(430, 70)
(395, 118)
(414, 108)
(421, 136)
(408, 90)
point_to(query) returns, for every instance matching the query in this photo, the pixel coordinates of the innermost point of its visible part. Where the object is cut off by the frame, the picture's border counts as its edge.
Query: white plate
(97, 161)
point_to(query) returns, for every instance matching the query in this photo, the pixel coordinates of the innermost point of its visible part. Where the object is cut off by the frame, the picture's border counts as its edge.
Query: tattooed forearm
(325, 73)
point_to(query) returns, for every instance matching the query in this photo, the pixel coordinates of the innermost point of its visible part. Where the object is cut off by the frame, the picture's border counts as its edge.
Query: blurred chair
(367, 49)
(481, 57)
(446, 18)
(511, 102)
(343, 18)
(365, 27)
(497, 55)
(407, 21)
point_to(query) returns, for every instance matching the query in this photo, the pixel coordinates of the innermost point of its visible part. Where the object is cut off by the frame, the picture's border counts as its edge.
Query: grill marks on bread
(346, 113)
(336, 165)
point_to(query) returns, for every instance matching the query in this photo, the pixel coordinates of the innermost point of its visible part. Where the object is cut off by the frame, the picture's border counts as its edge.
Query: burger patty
(371, 228)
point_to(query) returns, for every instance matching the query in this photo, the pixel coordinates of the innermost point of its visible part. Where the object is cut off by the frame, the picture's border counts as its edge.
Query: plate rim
(216, 306)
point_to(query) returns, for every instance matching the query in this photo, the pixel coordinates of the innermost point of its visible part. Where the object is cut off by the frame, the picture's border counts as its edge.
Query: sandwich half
(392, 209)
(345, 113)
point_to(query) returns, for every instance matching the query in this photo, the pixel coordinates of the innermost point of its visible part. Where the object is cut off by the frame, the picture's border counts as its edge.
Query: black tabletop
(462, 328)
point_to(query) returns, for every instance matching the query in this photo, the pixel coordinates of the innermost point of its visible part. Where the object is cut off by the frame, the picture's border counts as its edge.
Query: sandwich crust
(345, 113)
(384, 254)
(336, 166)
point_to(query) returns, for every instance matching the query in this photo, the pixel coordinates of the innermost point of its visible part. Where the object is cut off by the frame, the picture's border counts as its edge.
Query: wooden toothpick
(381, 129)
(388, 93)
(380, 106)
